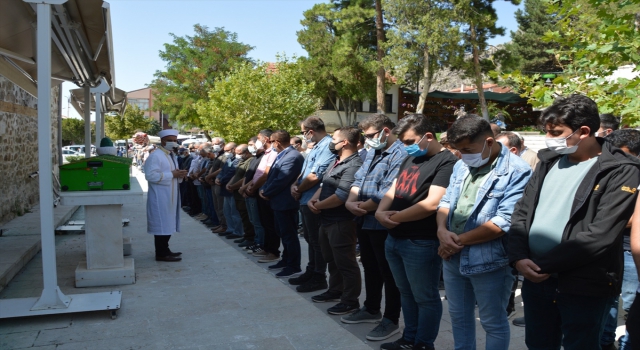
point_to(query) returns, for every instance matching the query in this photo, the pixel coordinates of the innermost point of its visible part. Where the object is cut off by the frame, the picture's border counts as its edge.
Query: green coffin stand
(101, 173)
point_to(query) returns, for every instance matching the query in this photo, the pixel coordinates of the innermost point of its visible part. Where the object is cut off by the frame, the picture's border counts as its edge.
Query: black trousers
(271, 238)
(377, 274)
(338, 242)
(162, 245)
(194, 201)
(311, 227)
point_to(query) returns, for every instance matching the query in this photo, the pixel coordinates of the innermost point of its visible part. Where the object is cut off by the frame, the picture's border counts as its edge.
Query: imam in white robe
(163, 198)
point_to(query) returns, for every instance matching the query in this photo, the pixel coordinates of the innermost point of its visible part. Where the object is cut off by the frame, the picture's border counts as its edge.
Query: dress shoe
(224, 234)
(175, 253)
(239, 240)
(168, 258)
(220, 229)
(216, 227)
(233, 236)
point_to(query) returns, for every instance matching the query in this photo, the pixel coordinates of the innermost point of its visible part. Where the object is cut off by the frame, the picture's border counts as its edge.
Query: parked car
(79, 149)
(194, 138)
(69, 153)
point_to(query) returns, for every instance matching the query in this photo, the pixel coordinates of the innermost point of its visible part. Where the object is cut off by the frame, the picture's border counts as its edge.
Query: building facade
(143, 98)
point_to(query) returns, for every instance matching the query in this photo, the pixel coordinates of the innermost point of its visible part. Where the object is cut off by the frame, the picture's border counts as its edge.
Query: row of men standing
(415, 205)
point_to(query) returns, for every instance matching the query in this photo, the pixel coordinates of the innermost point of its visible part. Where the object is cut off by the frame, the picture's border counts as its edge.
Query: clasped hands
(449, 244)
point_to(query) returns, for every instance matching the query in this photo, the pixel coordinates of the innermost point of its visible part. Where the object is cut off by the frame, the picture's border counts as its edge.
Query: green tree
(340, 39)
(422, 39)
(252, 98)
(596, 38)
(527, 51)
(478, 21)
(154, 127)
(123, 126)
(193, 64)
(72, 131)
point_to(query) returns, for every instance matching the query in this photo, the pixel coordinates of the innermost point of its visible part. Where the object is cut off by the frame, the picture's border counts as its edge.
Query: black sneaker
(518, 321)
(288, 272)
(326, 297)
(302, 278)
(239, 240)
(422, 347)
(244, 244)
(399, 344)
(317, 282)
(280, 265)
(342, 309)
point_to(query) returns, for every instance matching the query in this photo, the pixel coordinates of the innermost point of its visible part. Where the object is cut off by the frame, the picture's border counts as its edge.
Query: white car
(69, 153)
(79, 149)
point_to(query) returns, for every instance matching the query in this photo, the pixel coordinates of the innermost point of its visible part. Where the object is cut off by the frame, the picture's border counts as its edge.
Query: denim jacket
(495, 201)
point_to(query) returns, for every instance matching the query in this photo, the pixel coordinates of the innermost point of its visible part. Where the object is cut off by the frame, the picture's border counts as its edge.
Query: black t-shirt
(415, 176)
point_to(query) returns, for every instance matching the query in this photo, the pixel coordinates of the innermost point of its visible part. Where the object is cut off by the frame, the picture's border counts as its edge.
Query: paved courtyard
(217, 297)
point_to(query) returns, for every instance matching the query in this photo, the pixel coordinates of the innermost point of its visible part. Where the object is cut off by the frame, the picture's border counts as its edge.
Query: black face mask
(332, 148)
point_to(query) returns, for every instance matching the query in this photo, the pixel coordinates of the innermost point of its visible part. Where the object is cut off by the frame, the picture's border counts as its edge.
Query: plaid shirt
(375, 178)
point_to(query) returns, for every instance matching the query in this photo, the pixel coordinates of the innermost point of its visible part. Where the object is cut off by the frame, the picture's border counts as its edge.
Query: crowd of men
(476, 209)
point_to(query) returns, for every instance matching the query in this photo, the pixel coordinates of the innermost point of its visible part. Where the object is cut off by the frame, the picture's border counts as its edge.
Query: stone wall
(19, 148)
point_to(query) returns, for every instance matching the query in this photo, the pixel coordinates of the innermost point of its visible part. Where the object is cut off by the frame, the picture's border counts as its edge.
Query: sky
(141, 27)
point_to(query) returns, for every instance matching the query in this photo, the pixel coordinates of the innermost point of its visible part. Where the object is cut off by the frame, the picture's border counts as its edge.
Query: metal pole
(98, 97)
(60, 160)
(87, 121)
(52, 297)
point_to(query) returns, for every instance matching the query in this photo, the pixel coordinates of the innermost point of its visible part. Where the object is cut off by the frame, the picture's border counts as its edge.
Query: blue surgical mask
(415, 151)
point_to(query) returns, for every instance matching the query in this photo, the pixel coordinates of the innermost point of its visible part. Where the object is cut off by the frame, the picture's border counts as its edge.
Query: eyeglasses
(370, 136)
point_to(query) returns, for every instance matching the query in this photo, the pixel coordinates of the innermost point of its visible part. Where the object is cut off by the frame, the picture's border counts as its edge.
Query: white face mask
(170, 145)
(229, 155)
(375, 143)
(216, 148)
(252, 150)
(259, 144)
(559, 144)
(475, 160)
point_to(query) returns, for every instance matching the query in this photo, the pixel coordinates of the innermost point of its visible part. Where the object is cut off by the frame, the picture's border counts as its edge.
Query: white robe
(163, 198)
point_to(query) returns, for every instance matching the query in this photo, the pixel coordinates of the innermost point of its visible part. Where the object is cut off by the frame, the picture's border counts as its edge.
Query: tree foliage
(527, 51)
(72, 131)
(422, 38)
(193, 64)
(595, 37)
(251, 98)
(123, 126)
(340, 39)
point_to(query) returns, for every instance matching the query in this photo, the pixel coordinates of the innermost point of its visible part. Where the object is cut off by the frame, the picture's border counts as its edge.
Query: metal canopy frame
(52, 300)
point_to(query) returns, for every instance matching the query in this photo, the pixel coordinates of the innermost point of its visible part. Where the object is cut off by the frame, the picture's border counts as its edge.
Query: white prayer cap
(168, 132)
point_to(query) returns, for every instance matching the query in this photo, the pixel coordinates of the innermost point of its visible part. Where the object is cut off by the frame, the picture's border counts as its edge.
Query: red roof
(486, 87)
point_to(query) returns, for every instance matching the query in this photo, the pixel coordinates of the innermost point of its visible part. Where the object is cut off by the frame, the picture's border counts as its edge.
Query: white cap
(168, 132)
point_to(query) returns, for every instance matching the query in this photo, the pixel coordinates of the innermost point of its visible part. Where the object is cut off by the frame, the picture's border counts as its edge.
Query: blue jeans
(416, 266)
(286, 222)
(234, 221)
(491, 291)
(211, 212)
(629, 286)
(553, 319)
(201, 197)
(254, 217)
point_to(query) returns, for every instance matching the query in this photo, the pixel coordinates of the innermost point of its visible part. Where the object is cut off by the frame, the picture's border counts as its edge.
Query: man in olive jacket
(566, 231)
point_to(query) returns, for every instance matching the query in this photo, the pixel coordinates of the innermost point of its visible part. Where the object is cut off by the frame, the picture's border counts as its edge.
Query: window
(142, 103)
(388, 103)
(327, 104)
(373, 106)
